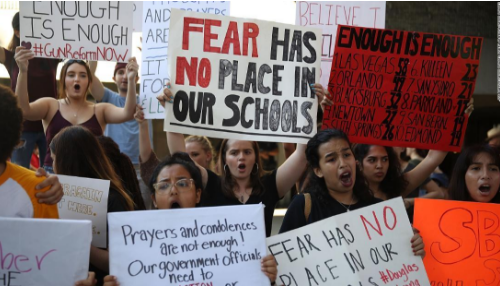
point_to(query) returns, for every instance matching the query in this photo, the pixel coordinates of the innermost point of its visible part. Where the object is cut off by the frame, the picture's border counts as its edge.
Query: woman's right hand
(323, 95)
(167, 96)
(110, 280)
(22, 56)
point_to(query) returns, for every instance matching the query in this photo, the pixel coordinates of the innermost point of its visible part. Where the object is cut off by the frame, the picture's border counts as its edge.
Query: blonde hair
(205, 145)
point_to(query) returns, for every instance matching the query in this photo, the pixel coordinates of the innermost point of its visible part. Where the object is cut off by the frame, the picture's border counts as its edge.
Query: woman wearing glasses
(176, 183)
(72, 107)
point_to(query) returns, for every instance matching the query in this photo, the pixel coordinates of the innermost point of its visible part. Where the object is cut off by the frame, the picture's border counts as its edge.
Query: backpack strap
(307, 206)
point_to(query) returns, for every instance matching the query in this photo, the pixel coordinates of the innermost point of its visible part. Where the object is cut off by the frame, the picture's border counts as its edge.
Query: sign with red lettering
(81, 30)
(44, 252)
(327, 15)
(462, 241)
(242, 79)
(154, 73)
(370, 246)
(399, 88)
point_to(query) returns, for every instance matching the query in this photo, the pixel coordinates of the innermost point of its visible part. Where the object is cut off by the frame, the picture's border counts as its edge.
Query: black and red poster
(399, 88)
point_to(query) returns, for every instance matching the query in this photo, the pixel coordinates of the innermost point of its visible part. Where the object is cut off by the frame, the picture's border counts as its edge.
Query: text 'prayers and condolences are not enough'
(242, 79)
(399, 88)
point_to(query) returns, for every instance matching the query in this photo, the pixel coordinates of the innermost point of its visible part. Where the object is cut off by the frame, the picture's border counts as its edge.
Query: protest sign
(368, 247)
(86, 198)
(154, 73)
(242, 79)
(191, 246)
(399, 88)
(462, 242)
(327, 15)
(137, 16)
(43, 251)
(81, 30)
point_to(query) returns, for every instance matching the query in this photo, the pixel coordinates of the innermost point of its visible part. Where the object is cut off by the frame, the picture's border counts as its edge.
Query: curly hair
(394, 182)
(11, 119)
(124, 169)
(316, 185)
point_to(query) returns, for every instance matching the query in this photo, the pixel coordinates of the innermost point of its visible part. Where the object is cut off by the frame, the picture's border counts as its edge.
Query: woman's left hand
(269, 267)
(417, 244)
(132, 69)
(55, 192)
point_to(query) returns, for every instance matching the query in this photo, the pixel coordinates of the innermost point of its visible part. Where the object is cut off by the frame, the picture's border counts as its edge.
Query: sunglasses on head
(69, 62)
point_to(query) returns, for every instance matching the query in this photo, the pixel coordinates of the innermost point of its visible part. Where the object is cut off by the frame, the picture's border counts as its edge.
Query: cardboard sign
(327, 15)
(398, 88)
(87, 199)
(43, 251)
(193, 246)
(462, 241)
(81, 30)
(154, 73)
(137, 15)
(242, 79)
(368, 247)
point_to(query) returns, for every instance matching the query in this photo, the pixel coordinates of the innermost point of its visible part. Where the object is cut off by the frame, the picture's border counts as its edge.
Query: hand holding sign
(55, 192)
(132, 69)
(22, 57)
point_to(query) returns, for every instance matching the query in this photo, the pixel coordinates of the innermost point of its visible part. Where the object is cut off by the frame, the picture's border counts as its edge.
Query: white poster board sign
(191, 246)
(242, 79)
(87, 199)
(81, 30)
(154, 72)
(369, 247)
(327, 15)
(43, 251)
(137, 16)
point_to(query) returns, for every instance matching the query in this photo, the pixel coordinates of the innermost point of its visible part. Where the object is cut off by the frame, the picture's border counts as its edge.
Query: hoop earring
(224, 168)
(257, 170)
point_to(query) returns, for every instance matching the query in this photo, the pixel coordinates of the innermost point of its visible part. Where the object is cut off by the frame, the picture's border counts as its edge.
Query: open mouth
(485, 189)
(241, 167)
(346, 179)
(175, 205)
(77, 87)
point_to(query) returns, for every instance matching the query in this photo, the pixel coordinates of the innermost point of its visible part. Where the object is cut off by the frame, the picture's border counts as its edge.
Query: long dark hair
(124, 169)
(458, 188)
(228, 182)
(78, 153)
(394, 182)
(317, 186)
(14, 42)
(180, 158)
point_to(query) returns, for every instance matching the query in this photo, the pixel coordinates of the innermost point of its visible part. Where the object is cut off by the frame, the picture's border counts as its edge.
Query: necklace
(76, 114)
(347, 207)
(242, 197)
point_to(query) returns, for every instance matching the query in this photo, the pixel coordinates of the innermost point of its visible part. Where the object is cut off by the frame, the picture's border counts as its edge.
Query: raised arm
(2, 55)
(175, 141)
(116, 115)
(144, 141)
(39, 109)
(97, 88)
(291, 170)
(433, 192)
(423, 170)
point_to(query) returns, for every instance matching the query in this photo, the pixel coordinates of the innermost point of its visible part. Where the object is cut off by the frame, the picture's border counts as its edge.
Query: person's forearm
(22, 92)
(131, 100)
(144, 141)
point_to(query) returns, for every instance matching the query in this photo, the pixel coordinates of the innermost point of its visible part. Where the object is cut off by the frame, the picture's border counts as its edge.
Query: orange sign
(462, 241)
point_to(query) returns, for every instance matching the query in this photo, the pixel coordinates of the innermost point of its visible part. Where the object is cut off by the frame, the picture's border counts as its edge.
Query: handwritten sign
(242, 79)
(327, 15)
(137, 15)
(87, 199)
(368, 247)
(43, 251)
(81, 30)
(155, 74)
(398, 88)
(462, 241)
(198, 247)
